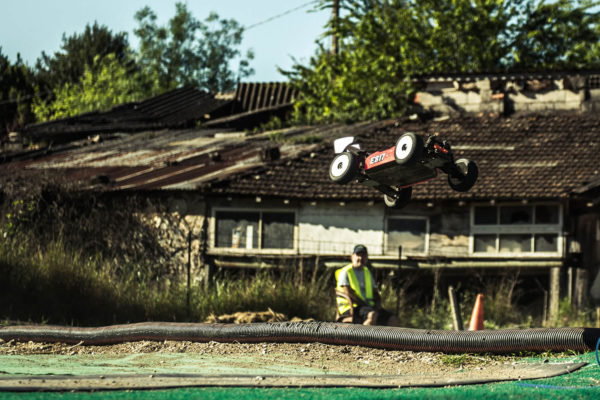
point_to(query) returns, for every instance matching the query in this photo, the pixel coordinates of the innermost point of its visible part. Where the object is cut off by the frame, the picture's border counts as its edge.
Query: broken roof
(177, 108)
(181, 159)
(521, 157)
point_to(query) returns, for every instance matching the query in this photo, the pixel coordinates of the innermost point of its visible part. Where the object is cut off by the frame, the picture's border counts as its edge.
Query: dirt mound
(246, 317)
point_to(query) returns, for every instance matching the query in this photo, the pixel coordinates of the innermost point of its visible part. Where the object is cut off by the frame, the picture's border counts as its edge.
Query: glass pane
(237, 230)
(515, 215)
(408, 233)
(485, 243)
(486, 216)
(278, 230)
(546, 243)
(515, 243)
(546, 214)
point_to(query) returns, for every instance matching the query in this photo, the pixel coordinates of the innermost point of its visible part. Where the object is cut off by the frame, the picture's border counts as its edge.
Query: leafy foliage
(103, 85)
(384, 43)
(96, 69)
(78, 53)
(17, 86)
(563, 34)
(191, 52)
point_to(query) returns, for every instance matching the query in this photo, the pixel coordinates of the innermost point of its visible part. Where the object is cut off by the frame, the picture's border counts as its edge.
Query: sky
(29, 27)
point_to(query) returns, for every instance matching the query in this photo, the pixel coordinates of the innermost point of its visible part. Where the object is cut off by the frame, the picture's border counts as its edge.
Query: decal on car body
(379, 158)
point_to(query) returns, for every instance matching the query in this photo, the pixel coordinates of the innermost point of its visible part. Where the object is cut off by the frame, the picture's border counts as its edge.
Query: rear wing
(341, 144)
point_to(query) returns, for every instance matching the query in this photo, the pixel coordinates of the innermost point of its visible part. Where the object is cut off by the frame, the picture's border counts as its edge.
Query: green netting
(581, 384)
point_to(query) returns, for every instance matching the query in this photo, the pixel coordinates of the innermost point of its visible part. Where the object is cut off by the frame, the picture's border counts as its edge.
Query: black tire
(409, 148)
(343, 168)
(470, 174)
(400, 201)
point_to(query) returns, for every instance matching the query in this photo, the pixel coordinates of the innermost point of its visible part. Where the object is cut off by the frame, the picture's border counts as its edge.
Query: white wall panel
(337, 229)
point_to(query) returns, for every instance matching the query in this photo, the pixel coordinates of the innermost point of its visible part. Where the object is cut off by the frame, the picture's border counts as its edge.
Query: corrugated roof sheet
(255, 96)
(175, 109)
(163, 160)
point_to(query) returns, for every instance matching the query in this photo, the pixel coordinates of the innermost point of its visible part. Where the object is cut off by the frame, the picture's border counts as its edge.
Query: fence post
(189, 274)
(554, 293)
(456, 316)
(397, 280)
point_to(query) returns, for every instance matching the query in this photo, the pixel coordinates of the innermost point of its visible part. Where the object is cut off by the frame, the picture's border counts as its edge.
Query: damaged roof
(175, 109)
(179, 108)
(521, 157)
(181, 159)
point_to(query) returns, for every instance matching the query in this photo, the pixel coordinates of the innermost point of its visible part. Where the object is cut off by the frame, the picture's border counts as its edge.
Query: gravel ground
(351, 360)
(343, 359)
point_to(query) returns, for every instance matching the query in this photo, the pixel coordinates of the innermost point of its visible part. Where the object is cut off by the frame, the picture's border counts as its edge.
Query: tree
(386, 42)
(559, 35)
(103, 85)
(78, 52)
(191, 52)
(16, 90)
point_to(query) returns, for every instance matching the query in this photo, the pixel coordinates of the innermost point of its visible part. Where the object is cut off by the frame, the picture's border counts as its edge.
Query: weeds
(57, 285)
(69, 259)
(62, 286)
(458, 360)
(570, 316)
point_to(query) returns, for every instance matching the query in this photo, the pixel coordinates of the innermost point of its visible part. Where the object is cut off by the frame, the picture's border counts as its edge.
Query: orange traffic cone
(476, 323)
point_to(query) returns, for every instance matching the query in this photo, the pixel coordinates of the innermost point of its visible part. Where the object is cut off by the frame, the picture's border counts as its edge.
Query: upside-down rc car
(395, 170)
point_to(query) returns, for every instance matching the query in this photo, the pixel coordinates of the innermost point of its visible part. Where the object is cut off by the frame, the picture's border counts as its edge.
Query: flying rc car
(395, 170)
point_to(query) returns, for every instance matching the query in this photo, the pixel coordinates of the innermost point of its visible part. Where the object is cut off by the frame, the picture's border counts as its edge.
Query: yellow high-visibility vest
(342, 303)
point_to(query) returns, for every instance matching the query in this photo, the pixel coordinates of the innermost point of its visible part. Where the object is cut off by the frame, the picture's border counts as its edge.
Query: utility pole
(335, 14)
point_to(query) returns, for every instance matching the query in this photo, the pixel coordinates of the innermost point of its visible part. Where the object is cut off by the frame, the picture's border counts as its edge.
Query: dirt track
(343, 359)
(351, 360)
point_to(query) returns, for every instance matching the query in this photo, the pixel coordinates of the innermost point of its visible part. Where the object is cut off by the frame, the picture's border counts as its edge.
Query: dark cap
(359, 248)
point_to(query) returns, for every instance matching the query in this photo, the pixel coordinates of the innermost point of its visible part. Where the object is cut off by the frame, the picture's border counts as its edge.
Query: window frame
(531, 229)
(404, 253)
(260, 249)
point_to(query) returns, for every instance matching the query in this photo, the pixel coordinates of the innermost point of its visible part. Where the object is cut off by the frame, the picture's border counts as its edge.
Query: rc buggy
(395, 170)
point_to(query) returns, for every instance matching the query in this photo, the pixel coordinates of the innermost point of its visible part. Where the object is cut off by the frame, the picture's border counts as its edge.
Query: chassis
(395, 170)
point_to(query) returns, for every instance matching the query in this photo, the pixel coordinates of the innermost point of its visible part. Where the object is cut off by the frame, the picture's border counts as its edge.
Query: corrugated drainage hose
(489, 341)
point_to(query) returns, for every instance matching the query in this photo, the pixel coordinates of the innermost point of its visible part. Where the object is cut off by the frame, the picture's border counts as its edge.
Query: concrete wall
(497, 94)
(453, 97)
(335, 229)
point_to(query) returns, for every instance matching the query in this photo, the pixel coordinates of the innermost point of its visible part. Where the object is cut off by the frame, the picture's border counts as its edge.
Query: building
(265, 200)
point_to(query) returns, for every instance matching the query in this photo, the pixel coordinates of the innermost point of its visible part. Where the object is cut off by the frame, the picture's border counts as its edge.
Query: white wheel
(401, 200)
(408, 148)
(343, 168)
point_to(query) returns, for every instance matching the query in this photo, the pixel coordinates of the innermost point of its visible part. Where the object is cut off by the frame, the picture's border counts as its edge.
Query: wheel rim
(463, 165)
(389, 200)
(340, 165)
(404, 147)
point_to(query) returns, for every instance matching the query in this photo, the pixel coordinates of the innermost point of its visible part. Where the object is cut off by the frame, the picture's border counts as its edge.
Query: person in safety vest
(357, 282)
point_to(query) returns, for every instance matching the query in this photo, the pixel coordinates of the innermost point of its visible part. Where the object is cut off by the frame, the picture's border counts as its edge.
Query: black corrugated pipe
(488, 341)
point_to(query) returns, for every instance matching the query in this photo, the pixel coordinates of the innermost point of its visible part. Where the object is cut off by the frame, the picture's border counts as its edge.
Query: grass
(57, 285)
(503, 308)
(60, 286)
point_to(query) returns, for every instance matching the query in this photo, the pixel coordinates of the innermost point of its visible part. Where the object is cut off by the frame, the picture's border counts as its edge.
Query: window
(409, 232)
(254, 229)
(517, 229)
(485, 243)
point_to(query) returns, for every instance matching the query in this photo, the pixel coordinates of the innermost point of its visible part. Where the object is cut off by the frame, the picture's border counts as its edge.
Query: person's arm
(350, 293)
(376, 295)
